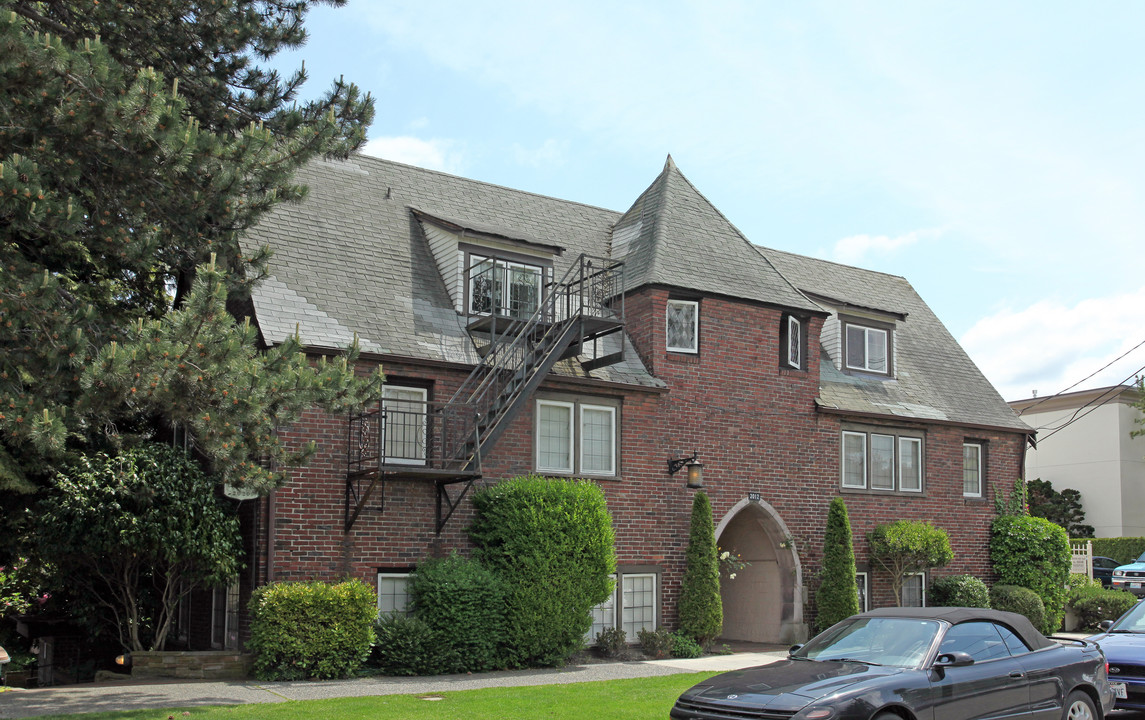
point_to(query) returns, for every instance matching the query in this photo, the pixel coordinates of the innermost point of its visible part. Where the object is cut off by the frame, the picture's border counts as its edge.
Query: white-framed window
(794, 342)
(882, 460)
(683, 326)
(637, 603)
(504, 287)
(225, 616)
(603, 617)
(403, 422)
(914, 590)
(862, 582)
(574, 437)
(868, 349)
(854, 459)
(972, 469)
(392, 593)
(555, 436)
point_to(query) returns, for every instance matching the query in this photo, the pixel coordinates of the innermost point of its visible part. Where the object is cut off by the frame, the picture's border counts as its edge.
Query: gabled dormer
(860, 340)
(489, 272)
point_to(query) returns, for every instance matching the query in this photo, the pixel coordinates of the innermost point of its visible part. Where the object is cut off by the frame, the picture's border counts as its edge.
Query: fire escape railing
(444, 441)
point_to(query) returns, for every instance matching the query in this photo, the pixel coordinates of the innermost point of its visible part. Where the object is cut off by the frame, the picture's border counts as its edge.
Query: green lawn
(635, 699)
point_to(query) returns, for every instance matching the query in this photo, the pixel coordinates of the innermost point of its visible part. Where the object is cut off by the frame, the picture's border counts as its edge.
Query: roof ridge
(751, 246)
(763, 248)
(360, 156)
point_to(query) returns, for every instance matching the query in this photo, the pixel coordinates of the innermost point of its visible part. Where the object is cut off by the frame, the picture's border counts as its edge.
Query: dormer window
(499, 286)
(683, 326)
(868, 348)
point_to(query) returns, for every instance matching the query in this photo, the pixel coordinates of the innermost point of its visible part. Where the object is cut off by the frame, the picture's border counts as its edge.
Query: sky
(991, 153)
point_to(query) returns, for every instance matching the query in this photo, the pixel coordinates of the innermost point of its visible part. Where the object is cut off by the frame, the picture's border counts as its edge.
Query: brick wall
(754, 424)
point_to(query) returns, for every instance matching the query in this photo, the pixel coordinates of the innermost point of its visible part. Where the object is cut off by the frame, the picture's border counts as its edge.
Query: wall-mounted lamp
(695, 470)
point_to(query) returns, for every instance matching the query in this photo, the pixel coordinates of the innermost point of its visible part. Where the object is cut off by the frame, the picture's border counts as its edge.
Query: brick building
(520, 333)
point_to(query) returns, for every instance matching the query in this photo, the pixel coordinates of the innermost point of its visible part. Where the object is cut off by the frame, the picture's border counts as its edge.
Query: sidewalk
(110, 697)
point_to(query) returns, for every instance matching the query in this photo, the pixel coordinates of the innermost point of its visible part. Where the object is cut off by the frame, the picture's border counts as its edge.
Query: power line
(1112, 392)
(1087, 377)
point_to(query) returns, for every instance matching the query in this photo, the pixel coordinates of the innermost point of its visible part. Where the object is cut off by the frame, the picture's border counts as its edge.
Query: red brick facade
(764, 442)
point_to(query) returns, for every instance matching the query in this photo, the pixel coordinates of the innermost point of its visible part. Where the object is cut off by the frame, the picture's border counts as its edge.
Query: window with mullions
(791, 353)
(576, 437)
(403, 421)
(638, 603)
(393, 598)
(683, 326)
(504, 287)
(881, 461)
(914, 590)
(868, 349)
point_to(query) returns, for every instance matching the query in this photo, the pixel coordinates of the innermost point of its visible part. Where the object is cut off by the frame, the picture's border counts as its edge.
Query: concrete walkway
(117, 696)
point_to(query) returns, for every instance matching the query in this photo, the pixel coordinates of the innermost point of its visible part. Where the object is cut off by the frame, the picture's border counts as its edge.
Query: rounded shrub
(314, 629)
(463, 604)
(656, 643)
(1021, 600)
(701, 608)
(407, 646)
(959, 591)
(550, 543)
(1034, 553)
(1094, 604)
(685, 646)
(612, 642)
(838, 594)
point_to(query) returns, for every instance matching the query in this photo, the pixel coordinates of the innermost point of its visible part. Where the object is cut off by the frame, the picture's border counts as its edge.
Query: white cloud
(551, 153)
(433, 154)
(854, 249)
(1051, 345)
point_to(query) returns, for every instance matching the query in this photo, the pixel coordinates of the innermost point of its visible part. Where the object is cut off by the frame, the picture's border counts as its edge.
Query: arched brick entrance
(764, 603)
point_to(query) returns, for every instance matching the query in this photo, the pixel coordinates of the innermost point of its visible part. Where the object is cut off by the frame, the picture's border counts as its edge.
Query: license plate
(1134, 585)
(1118, 690)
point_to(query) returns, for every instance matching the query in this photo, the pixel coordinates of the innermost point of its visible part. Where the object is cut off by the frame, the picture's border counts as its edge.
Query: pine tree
(137, 141)
(701, 609)
(838, 594)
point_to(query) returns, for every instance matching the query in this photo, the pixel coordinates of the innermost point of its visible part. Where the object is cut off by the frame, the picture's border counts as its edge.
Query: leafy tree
(1061, 508)
(137, 141)
(909, 546)
(135, 533)
(701, 609)
(838, 594)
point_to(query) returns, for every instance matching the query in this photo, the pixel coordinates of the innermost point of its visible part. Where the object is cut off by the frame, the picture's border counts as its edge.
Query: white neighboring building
(1094, 454)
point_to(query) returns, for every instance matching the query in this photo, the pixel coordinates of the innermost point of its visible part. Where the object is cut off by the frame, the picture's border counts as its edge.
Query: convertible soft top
(1020, 624)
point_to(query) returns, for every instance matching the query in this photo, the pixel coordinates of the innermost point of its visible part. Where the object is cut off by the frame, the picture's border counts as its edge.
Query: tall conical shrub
(838, 595)
(701, 611)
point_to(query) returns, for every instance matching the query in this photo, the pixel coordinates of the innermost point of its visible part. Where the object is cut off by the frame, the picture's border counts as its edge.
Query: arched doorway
(764, 603)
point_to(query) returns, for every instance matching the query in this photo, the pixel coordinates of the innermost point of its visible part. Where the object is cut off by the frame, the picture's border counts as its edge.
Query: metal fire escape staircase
(444, 443)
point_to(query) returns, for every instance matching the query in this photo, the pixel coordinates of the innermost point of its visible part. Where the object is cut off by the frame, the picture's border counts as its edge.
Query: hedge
(837, 597)
(1094, 604)
(463, 604)
(550, 542)
(1021, 600)
(1123, 549)
(407, 646)
(959, 591)
(313, 629)
(1034, 553)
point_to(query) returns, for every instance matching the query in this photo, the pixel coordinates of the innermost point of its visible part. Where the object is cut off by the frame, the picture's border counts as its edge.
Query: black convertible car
(932, 663)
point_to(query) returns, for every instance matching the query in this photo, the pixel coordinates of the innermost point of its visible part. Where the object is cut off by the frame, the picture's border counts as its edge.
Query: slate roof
(353, 258)
(934, 377)
(679, 239)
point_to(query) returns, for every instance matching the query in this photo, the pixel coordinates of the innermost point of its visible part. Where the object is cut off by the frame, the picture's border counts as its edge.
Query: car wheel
(1079, 706)
(887, 716)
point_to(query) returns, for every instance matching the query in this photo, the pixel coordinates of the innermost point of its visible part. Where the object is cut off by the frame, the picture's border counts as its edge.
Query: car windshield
(900, 642)
(1133, 621)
